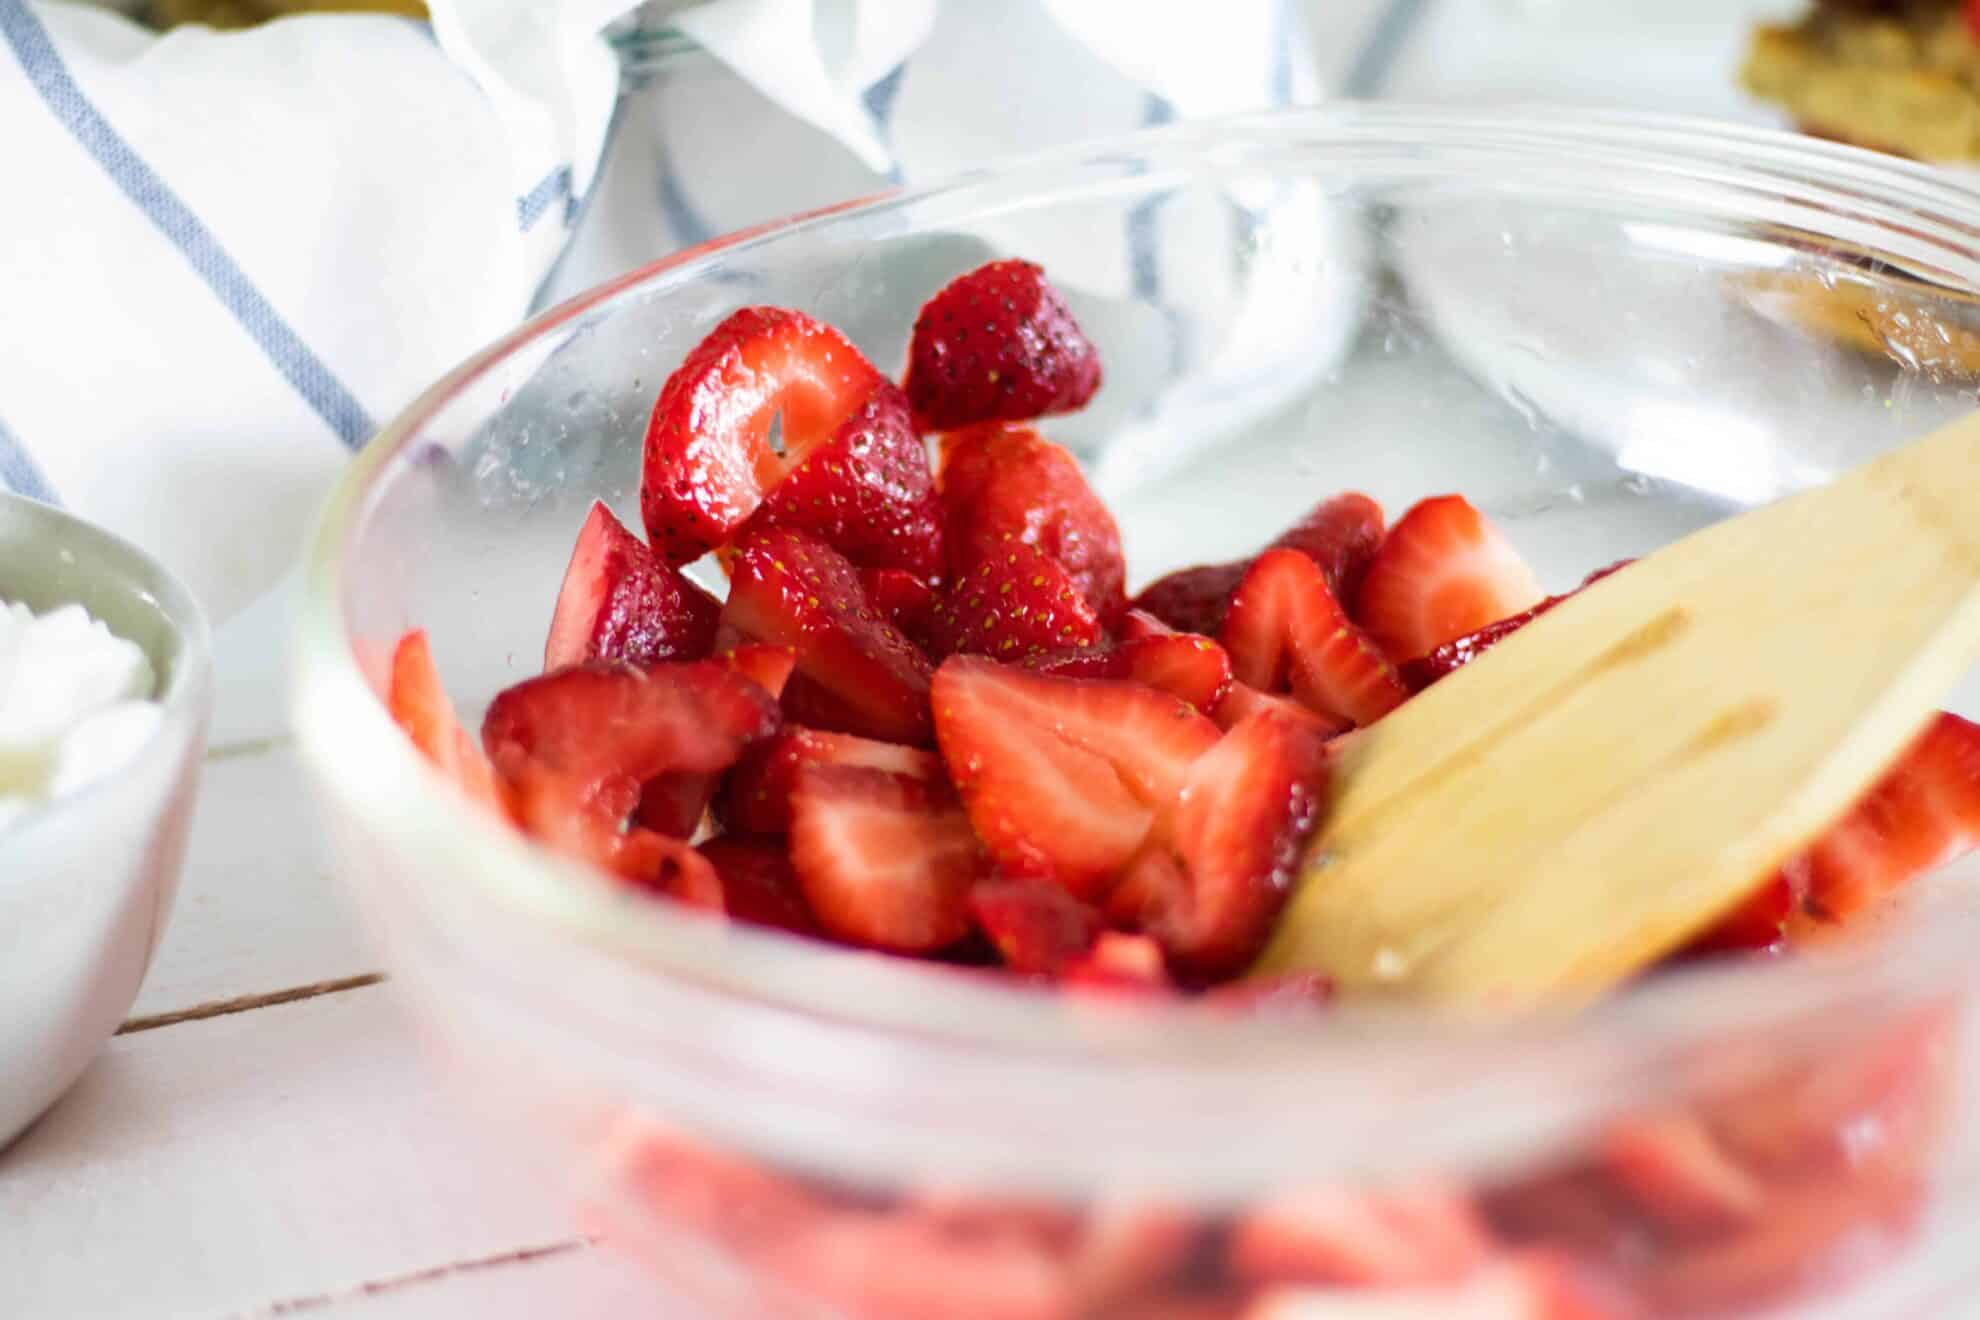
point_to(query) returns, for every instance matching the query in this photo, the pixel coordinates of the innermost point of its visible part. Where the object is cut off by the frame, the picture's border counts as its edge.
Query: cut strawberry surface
(1183, 665)
(1012, 605)
(1426, 669)
(421, 707)
(1923, 813)
(883, 861)
(867, 492)
(1529, 1285)
(900, 1267)
(1037, 927)
(1675, 1170)
(1007, 483)
(672, 803)
(756, 797)
(903, 599)
(758, 883)
(709, 458)
(1285, 628)
(620, 601)
(1443, 571)
(1369, 1239)
(769, 667)
(998, 344)
(792, 591)
(586, 819)
(1240, 700)
(1210, 893)
(1758, 924)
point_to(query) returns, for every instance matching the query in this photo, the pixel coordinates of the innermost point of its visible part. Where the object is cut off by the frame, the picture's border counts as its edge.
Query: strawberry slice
(867, 492)
(422, 708)
(1443, 571)
(1923, 813)
(1007, 483)
(673, 802)
(1013, 605)
(1210, 894)
(1675, 1170)
(709, 458)
(1240, 700)
(586, 819)
(1369, 1239)
(756, 797)
(1426, 669)
(1183, 665)
(1757, 925)
(620, 601)
(1527, 1285)
(1285, 626)
(1062, 777)
(856, 673)
(1340, 535)
(902, 599)
(758, 884)
(1037, 927)
(902, 1267)
(1120, 961)
(883, 861)
(998, 344)
(769, 667)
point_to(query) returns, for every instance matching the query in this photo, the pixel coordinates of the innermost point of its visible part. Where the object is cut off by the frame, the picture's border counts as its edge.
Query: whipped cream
(75, 704)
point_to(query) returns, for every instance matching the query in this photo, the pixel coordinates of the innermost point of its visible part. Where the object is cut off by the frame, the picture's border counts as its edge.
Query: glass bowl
(1607, 331)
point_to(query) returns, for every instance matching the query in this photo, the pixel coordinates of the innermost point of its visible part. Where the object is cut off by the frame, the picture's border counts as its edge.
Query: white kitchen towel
(226, 257)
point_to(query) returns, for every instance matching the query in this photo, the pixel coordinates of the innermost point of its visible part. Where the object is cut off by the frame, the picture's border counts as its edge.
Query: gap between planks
(415, 1278)
(247, 1003)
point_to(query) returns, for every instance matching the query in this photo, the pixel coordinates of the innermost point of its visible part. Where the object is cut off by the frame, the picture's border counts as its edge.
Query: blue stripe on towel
(304, 371)
(535, 204)
(18, 471)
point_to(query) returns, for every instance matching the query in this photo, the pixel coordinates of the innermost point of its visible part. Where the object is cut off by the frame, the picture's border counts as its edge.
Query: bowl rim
(346, 734)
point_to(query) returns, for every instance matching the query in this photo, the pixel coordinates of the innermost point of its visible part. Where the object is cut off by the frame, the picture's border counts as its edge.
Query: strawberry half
(867, 492)
(856, 672)
(1240, 700)
(902, 599)
(756, 796)
(998, 344)
(421, 707)
(1007, 483)
(620, 601)
(709, 460)
(884, 861)
(1210, 892)
(587, 819)
(1426, 669)
(1062, 777)
(1012, 605)
(1923, 813)
(1443, 571)
(1368, 1239)
(1036, 927)
(674, 802)
(1340, 535)
(758, 884)
(1183, 665)
(1285, 627)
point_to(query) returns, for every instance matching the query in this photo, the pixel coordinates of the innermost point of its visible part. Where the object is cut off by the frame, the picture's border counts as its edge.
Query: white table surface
(262, 1139)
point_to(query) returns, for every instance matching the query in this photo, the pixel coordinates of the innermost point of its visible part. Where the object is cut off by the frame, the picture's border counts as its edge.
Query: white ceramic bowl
(86, 881)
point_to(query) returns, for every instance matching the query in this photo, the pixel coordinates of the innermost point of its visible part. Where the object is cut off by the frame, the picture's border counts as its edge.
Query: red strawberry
(901, 1267)
(1137, 624)
(673, 803)
(998, 344)
(1426, 669)
(1210, 894)
(1757, 924)
(1062, 776)
(756, 798)
(1924, 812)
(769, 667)
(1119, 961)
(903, 599)
(1183, 665)
(1972, 10)
(1675, 1171)
(1340, 535)
(1007, 483)
(1037, 927)
(883, 861)
(1526, 1285)
(867, 492)
(586, 819)
(758, 884)
(421, 707)
(1014, 604)
(789, 590)
(1285, 626)
(709, 459)
(1443, 571)
(1240, 700)
(1368, 1239)
(619, 601)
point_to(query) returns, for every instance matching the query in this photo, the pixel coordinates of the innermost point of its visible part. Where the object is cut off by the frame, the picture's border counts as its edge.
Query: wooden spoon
(1599, 787)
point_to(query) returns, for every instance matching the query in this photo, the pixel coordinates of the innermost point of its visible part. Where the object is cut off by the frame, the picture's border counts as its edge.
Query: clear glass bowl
(1606, 330)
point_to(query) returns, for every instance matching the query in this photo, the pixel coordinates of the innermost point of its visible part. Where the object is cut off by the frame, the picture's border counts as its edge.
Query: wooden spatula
(1596, 789)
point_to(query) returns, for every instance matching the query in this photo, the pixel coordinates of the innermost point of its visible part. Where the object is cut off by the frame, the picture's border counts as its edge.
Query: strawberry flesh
(1285, 629)
(998, 344)
(756, 795)
(1012, 605)
(884, 861)
(420, 706)
(1193, 668)
(620, 601)
(1442, 571)
(709, 460)
(1367, 1239)
(758, 884)
(1037, 928)
(1426, 669)
(904, 600)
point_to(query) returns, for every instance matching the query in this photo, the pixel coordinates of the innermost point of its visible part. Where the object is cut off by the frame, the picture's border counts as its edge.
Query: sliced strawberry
(673, 803)
(769, 667)
(1137, 624)
(789, 590)
(1183, 665)
(1443, 571)
(1284, 626)
(1528, 1285)
(1210, 895)
(867, 491)
(1125, 1253)
(1923, 813)
(1340, 535)
(1119, 961)
(903, 599)
(1369, 1239)
(620, 601)
(1013, 604)
(998, 344)
(1240, 700)
(756, 798)
(709, 458)
(1971, 9)
(422, 708)
(1426, 669)
(710, 1194)
(758, 884)
(1007, 483)
(1758, 924)
(901, 1267)
(1675, 1171)
(586, 819)
(883, 861)
(1062, 776)
(1037, 927)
